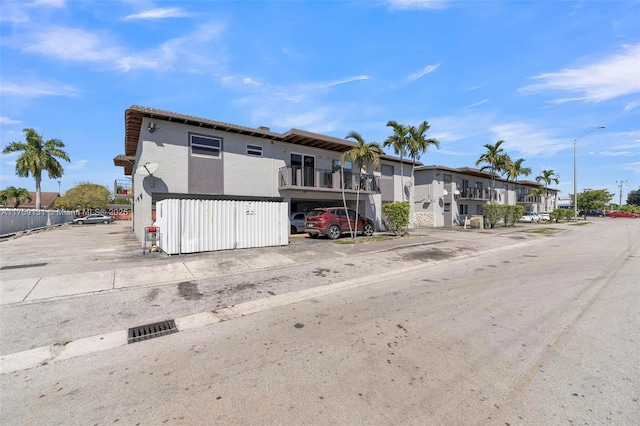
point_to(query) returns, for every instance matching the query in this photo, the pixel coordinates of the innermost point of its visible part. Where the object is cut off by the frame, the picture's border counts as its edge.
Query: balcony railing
(528, 198)
(475, 194)
(297, 177)
(122, 189)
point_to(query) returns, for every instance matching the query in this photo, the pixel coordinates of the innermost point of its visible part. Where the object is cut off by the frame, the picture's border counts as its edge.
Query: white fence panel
(191, 226)
(18, 220)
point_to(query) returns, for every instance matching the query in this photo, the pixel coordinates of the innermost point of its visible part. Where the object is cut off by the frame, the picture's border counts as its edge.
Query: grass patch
(579, 224)
(543, 231)
(361, 240)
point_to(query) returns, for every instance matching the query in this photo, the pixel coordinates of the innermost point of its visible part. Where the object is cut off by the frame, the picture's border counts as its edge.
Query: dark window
(255, 150)
(386, 170)
(463, 208)
(446, 178)
(447, 207)
(202, 145)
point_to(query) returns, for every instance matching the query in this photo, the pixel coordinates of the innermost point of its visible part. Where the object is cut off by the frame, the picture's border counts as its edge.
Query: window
(447, 207)
(337, 163)
(463, 208)
(479, 185)
(465, 183)
(446, 178)
(255, 150)
(205, 145)
(479, 209)
(386, 169)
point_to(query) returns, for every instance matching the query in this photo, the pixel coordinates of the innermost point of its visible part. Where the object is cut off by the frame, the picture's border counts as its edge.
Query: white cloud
(528, 141)
(47, 3)
(36, 89)
(484, 101)
(78, 45)
(77, 165)
(250, 81)
(426, 70)
(611, 77)
(612, 153)
(13, 12)
(159, 13)
(418, 4)
(6, 120)
(68, 44)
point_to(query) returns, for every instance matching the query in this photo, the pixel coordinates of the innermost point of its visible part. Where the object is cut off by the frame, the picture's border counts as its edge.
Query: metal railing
(475, 193)
(309, 177)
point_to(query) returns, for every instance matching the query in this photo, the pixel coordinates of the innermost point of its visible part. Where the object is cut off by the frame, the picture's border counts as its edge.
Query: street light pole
(575, 171)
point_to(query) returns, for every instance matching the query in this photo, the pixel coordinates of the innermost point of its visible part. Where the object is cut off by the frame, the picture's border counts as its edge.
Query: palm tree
(547, 176)
(15, 195)
(418, 145)
(362, 156)
(495, 161)
(399, 141)
(38, 156)
(514, 169)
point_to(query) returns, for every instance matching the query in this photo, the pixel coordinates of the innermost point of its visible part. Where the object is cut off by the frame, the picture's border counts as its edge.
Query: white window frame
(213, 154)
(254, 150)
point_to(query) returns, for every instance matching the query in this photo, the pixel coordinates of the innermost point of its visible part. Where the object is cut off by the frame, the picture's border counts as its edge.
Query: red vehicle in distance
(623, 214)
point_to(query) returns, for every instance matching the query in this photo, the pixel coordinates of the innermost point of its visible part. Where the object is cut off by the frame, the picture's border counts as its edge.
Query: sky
(540, 75)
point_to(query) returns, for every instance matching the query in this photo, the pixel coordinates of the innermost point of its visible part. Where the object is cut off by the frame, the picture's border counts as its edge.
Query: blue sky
(536, 74)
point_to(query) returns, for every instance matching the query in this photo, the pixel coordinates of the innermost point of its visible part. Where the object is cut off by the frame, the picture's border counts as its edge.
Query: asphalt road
(511, 329)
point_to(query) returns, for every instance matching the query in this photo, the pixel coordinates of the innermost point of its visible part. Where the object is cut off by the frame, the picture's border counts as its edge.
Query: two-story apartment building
(171, 155)
(445, 196)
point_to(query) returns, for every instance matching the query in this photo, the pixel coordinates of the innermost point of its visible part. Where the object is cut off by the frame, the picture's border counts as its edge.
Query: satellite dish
(456, 192)
(445, 192)
(147, 169)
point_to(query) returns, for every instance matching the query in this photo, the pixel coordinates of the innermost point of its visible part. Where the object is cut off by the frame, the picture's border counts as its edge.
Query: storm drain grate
(150, 331)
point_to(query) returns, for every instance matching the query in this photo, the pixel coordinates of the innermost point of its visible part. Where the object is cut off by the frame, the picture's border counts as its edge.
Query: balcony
(475, 194)
(528, 198)
(122, 188)
(308, 178)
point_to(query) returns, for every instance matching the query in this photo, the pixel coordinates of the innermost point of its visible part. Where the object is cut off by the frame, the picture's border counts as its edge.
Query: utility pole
(622, 182)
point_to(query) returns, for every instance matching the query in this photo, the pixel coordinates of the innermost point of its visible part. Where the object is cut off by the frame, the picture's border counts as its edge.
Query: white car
(545, 217)
(529, 217)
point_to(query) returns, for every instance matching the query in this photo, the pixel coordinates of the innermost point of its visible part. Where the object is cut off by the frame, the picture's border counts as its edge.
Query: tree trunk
(38, 202)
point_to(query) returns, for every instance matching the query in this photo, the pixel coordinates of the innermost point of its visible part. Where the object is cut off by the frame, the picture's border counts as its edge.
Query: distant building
(47, 201)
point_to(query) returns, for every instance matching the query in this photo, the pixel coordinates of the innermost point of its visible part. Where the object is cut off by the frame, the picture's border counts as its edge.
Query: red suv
(333, 222)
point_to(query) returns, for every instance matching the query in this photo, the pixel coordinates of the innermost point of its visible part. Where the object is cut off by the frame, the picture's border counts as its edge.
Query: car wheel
(293, 229)
(314, 236)
(105, 222)
(334, 232)
(367, 230)
(80, 222)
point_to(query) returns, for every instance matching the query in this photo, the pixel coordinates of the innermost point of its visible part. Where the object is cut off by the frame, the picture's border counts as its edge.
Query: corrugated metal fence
(191, 226)
(18, 220)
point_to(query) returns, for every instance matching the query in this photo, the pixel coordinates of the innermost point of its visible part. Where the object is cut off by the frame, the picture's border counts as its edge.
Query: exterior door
(303, 165)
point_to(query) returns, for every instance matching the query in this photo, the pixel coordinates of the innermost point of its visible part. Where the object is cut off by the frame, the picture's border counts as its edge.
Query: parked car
(93, 218)
(333, 222)
(623, 214)
(545, 216)
(297, 222)
(529, 217)
(598, 213)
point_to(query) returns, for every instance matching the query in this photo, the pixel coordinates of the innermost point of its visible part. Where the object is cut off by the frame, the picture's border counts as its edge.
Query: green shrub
(558, 214)
(569, 214)
(397, 216)
(514, 213)
(493, 213)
